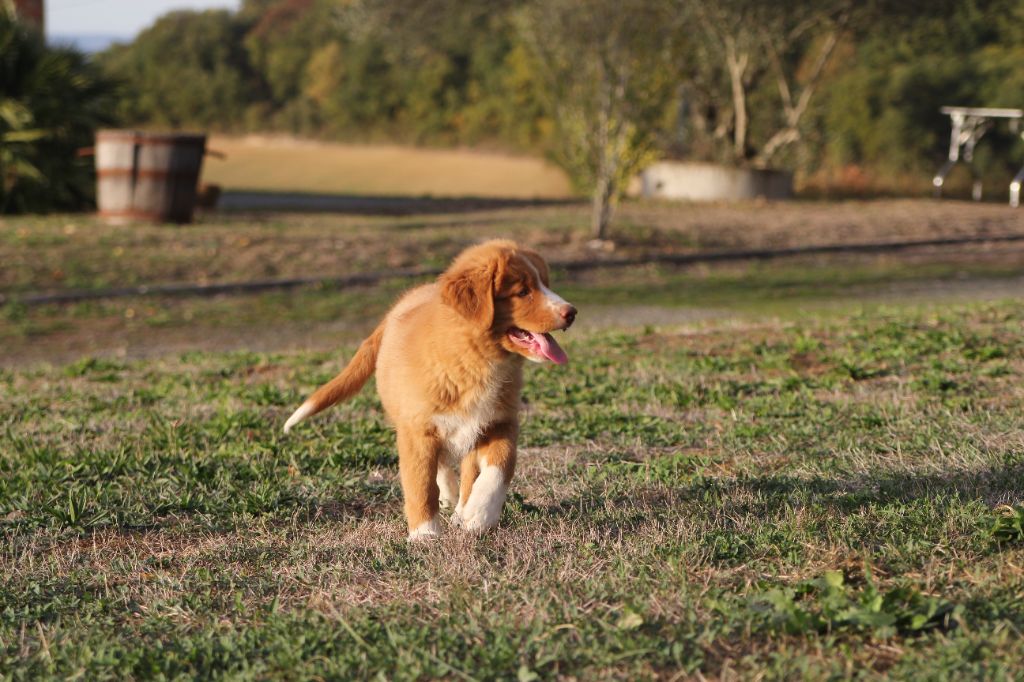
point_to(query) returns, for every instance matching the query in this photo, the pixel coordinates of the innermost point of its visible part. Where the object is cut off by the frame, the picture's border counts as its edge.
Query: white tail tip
(298, 416)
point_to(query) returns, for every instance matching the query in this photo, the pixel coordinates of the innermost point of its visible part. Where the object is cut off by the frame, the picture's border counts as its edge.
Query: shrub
(51, 102)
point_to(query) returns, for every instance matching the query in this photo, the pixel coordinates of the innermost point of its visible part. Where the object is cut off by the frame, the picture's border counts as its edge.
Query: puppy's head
(503, 288)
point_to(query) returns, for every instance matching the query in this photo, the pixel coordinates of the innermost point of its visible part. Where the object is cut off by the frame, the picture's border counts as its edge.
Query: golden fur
(448, 358)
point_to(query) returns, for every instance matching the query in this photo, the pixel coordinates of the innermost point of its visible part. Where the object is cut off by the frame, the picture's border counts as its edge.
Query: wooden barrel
(147, 176)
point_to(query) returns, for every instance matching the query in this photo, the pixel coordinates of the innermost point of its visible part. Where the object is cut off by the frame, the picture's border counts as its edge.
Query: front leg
(418, 451)
(495, 455)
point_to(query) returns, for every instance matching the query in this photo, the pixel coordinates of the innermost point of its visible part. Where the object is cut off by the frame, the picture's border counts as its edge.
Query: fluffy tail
(346, 384)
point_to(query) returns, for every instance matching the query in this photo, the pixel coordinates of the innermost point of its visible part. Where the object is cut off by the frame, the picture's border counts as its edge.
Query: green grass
(832, 496)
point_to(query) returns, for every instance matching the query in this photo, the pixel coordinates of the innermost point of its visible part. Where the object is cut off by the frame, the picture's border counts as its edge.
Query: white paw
(483, 509)
(480, 520)
(428, 530)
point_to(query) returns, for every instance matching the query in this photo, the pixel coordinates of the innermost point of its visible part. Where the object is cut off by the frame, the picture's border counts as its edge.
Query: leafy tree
(882, 111)
(188, 69)
(601, 86)
(280, 44)
(51, 102)
(604, 67)
(355, 87)
(453, 68)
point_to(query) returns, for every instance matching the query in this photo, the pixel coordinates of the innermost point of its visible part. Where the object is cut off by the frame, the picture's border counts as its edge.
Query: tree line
(847, 88)
(601, 86)
(742, 78)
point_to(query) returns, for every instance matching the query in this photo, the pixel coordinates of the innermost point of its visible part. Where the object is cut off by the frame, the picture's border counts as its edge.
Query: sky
(122, 18)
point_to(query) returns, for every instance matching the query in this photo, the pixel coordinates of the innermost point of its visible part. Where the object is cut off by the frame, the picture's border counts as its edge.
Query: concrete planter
(711, 182)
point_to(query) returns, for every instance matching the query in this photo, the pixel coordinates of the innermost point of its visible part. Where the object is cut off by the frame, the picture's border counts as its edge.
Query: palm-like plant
(16, 138)
(51, 102)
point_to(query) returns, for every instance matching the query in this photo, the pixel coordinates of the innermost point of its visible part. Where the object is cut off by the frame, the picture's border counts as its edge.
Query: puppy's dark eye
(523, 293)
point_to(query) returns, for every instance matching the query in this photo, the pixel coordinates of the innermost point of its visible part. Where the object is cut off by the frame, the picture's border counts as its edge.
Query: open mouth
(542, 346)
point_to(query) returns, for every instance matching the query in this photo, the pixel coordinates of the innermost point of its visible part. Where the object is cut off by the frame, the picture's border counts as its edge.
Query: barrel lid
(144, 136)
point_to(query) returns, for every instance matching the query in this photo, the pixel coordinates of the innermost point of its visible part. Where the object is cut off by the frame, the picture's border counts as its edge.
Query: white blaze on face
(554, 301)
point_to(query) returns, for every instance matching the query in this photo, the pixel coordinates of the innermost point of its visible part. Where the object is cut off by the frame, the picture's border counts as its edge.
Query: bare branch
(790, 133)
(831, 40)
(737, 66)
(776, 142)
(780, 74)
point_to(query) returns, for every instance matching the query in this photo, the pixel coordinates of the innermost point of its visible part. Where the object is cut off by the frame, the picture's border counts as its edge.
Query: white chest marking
(460, 431)
(553, 300)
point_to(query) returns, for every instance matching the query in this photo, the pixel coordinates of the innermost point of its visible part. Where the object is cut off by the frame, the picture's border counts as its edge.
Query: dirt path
(60, 253)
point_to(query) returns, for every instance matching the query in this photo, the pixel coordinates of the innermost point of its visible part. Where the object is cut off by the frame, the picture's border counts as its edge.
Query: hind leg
(417, 465)
(470, 470)
(448, 485)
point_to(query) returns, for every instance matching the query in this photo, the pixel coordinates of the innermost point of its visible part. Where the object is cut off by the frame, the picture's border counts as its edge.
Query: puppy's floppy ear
(538, 262)
(470, 290)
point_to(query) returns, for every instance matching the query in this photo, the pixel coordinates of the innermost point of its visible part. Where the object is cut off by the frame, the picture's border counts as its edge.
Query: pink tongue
(549, 348)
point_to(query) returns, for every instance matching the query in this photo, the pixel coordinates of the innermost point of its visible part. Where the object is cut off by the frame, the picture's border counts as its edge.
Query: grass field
(801, 499)
(807, 468)
(261, 163)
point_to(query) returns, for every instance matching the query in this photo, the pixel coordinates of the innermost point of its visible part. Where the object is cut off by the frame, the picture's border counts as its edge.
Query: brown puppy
(449, 359)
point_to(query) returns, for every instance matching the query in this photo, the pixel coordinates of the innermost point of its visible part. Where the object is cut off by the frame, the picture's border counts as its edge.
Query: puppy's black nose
(568, 313)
